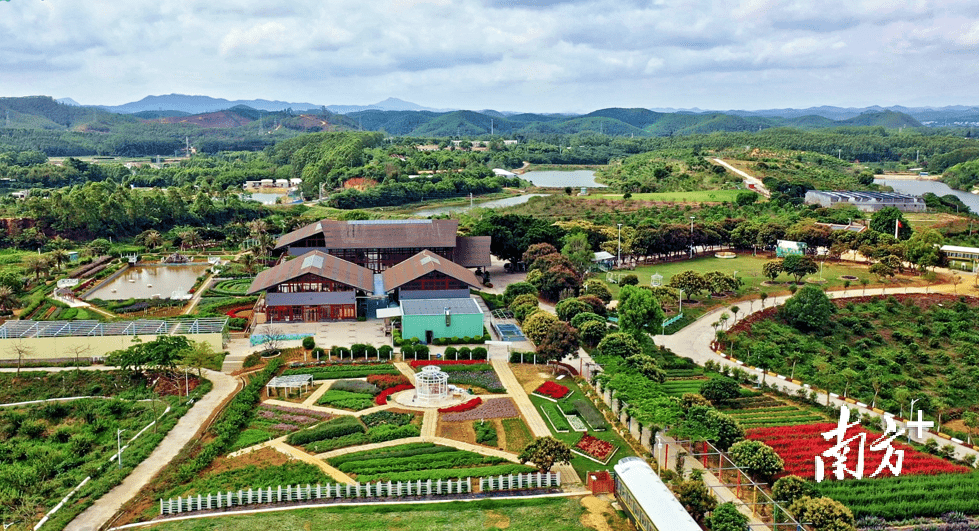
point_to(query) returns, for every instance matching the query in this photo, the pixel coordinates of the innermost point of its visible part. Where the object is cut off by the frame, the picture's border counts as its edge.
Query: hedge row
(330, 429)
(448, 473)
(404, 450)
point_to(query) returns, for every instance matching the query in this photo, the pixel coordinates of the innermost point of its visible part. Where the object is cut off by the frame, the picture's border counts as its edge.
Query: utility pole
(691, 235)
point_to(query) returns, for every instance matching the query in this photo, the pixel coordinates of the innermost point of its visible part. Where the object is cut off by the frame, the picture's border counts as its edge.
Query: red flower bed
(421, 363)
(234, 311)
(386, 381)
(552, 389)
(382, 398)
(595, 447)
(798, 446)
(465, 406)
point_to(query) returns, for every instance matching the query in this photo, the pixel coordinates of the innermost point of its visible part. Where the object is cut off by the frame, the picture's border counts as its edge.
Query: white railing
(533, 480)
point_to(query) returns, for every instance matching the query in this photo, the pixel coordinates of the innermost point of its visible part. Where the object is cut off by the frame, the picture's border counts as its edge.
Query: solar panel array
(24, 329)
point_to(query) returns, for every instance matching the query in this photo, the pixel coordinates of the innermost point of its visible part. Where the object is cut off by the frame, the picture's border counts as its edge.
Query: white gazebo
(432, 384)
(299, 382)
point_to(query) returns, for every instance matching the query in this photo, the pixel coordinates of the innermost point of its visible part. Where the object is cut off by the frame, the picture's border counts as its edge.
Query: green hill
(888, 119)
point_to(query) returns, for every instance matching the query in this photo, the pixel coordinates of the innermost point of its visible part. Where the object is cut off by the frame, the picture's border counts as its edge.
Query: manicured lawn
(581, 464)
(555, 514)
(701, 196)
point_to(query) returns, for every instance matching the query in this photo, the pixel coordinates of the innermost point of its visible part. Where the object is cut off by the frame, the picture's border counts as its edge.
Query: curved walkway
(187, 428)
(693, 342)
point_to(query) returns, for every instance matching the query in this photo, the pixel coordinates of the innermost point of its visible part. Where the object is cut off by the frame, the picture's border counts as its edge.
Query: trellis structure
(432, 384)
(289, 382)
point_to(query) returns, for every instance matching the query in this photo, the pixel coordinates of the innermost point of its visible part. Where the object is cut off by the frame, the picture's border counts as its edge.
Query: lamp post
(619, 259)
(186, 383)
(119, 446)
(911, 415)
(691, 235)
(659, 454)
(680, 309)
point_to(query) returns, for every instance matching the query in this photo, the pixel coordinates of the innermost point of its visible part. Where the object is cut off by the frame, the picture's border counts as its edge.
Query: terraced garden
(764, 411)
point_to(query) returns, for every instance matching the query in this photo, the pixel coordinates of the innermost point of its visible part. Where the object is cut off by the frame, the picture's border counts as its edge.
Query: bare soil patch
(457, 431)
(530, 376)
(266, 457)
(495, 520)
(601, 516)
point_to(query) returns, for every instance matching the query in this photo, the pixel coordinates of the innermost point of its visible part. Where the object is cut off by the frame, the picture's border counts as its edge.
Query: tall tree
(887, 219)
(639, 311)
(545, 452)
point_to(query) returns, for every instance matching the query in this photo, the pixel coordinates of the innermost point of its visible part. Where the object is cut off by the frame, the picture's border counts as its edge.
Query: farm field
(705, 196)
(559, 514)
(877, 345)
(416, 461)
(765, 411)
(905, 497)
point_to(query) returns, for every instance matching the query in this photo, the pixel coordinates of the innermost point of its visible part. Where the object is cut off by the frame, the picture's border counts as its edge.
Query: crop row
(330, 429)
(903, 497)
(448, 473)
(413, 462)
(404, 450)
(556, 418)
(333, 372)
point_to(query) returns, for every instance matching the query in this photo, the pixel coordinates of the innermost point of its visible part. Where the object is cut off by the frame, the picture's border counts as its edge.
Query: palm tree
(8, 299)
(190, 238)
(248, 262)
(735, 310)
(58, 257)
(258, 227)
(152, 239)
(38, 265)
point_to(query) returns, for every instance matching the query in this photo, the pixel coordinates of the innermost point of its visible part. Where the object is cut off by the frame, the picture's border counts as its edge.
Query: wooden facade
(378, 260)
(433, 281)
(310, 283)
(310, 314)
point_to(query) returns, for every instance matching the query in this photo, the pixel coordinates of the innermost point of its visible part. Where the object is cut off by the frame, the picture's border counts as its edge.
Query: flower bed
(382, 398)
(421, 363)
(487, 379)
(493, 408)
(465, 406)
(385, 381)
(798, 446)
(552, 390)
(595, 448)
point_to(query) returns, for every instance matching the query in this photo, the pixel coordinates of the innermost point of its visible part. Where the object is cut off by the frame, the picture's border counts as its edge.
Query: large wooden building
(333, 270)
(312, 287)
(380, 244)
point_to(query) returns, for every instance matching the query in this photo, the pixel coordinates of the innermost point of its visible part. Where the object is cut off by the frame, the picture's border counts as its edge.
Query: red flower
(552, 389)
(595, 447)
(382, 398)
(465, 406)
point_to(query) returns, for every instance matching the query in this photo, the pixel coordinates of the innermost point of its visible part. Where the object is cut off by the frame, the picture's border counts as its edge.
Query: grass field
(554, 514)
(701, 196)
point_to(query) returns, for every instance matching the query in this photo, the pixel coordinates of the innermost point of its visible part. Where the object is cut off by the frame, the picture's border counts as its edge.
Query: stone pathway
(406, 370)
(429, 424)
(188, 427)
(296, 453)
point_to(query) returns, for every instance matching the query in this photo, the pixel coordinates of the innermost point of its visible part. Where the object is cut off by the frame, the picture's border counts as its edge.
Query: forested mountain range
(43, 124)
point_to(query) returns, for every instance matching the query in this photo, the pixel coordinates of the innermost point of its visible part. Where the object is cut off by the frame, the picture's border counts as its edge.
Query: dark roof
(316, 263)
(438, 306)
(472, 251)
(311, 298)
(423, 263)
(391, 234)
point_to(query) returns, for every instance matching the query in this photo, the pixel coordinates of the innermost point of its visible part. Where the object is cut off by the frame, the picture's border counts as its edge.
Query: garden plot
(410, 462)
(765, 411)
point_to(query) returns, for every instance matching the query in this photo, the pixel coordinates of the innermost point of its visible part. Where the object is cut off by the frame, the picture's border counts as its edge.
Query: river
(935, 187)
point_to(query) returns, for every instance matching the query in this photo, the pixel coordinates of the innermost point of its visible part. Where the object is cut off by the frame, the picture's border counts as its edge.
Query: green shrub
(387, 417)
(346, 400)
(385, 351)
(450, 353)
(480, 353)
(354, 439)
(355, 386)
(485, 433)
(333, 428)
(389, 432)
(308, 343)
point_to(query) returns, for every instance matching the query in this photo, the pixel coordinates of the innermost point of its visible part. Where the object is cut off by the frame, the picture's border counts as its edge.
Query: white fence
(520, 481)
(292, 493)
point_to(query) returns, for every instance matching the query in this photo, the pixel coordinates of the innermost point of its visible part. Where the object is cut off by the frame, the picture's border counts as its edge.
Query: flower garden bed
(595, 449)
(552, 391)
(493, 408)
(465, 406)
(382, 398)
(798, 446)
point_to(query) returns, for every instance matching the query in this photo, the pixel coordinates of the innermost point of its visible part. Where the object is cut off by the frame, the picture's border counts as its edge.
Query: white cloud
(509, 54)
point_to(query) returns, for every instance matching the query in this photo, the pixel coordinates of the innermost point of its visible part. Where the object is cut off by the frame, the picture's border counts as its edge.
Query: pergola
(290, 382)
(432, 384)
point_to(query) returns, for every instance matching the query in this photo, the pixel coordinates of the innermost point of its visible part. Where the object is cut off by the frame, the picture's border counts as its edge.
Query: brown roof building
(380, 244)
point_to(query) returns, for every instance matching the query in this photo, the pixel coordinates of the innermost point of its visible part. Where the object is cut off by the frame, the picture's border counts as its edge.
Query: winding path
(187, 428)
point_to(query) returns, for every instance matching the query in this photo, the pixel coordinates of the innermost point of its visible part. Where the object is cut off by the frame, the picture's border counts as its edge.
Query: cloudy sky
(518, 55)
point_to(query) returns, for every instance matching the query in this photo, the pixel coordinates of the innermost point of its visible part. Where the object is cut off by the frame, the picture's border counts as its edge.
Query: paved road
(694, 342)
(748, 179)
(187, 428)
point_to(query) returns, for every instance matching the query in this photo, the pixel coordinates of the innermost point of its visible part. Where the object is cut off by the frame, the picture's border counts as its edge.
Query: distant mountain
(390, 104)
(201, 104)
(889, 119)
(936, 116)
(68, 101)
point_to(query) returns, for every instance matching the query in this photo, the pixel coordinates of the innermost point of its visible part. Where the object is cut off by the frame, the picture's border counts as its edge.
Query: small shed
(428, 319)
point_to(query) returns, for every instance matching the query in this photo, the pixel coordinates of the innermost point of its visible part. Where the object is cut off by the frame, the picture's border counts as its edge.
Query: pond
(935, 187)
(496, 203)
(560, 179)
(149, 281)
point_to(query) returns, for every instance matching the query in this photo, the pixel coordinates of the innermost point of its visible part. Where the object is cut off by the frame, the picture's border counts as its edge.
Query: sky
(507, 55)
